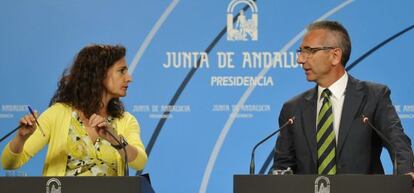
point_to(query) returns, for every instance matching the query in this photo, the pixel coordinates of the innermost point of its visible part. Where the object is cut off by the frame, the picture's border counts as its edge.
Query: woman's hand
(103, 128)
(27, 126)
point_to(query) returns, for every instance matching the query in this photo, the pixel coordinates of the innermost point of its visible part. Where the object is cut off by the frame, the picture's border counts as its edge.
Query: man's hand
(412, 178)
(412, 175)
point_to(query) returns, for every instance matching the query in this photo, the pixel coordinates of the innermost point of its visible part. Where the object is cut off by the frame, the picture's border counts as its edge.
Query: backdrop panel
(198, 124)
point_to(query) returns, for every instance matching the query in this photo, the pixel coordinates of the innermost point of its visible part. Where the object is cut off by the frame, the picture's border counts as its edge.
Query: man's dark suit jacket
(359, 147)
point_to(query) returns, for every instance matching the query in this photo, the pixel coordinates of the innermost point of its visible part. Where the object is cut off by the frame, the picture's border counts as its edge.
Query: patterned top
(88, 158)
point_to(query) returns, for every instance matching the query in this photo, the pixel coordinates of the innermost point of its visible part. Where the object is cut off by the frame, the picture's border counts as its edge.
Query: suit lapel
(352, 106)
(309, 122)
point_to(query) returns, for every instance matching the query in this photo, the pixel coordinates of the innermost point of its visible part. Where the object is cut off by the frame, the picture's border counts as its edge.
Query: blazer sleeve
(285, 155)
(387, 120)
(132, 134)
(34, 144)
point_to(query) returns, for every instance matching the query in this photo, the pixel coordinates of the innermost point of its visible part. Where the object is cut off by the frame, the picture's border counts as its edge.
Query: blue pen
(31, 112)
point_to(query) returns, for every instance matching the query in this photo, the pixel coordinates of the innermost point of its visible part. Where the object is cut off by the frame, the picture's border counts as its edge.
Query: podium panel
(322, 184)
(129, 184)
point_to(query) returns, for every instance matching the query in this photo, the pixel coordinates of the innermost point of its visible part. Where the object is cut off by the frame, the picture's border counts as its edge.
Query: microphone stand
(393, 151)
(126, 170)
(252, 165)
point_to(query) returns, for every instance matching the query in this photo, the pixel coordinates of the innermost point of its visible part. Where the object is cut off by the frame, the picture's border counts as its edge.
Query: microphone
(384, 139)
(290, 121)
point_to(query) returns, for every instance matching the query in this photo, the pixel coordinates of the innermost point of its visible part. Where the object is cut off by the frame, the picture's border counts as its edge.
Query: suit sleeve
(387, 120)
(284, 151)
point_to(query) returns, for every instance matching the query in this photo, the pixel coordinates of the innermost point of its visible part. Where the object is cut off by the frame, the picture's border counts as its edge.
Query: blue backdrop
(219, 112)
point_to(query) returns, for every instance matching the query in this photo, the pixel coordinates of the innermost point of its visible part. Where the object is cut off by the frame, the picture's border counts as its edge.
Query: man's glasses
(308, 51)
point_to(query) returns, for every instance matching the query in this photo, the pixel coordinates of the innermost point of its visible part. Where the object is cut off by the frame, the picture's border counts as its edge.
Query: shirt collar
(337, 88)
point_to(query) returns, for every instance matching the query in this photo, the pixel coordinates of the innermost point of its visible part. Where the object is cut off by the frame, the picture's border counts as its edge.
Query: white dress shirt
(337, 99)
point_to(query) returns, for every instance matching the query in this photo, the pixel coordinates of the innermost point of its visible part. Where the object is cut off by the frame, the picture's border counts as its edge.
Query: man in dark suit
(329, 135)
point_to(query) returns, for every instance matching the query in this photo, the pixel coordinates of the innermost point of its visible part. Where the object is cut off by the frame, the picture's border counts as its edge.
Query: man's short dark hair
(340, 33)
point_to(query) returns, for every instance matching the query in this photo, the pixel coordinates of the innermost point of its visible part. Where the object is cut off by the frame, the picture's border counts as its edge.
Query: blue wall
(201, 145)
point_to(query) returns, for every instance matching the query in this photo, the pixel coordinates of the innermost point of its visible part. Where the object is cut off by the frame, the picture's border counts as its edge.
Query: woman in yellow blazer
(86, 127)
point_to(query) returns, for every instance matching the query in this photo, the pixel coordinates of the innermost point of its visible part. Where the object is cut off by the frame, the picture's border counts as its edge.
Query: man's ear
(336, 56)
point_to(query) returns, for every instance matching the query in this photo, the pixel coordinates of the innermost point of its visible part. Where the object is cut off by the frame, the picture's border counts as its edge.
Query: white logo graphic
(243, 27)
(322, 185)
(53, 185)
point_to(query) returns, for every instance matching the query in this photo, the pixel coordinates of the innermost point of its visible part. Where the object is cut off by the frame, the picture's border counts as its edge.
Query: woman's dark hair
(81, 86)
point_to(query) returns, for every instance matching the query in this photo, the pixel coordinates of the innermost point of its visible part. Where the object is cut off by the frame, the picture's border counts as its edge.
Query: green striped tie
(325, 137)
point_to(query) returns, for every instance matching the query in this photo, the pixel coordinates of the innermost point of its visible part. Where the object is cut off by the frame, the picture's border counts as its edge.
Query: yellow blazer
(55, 123)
